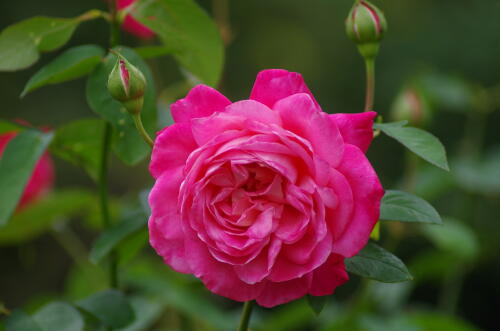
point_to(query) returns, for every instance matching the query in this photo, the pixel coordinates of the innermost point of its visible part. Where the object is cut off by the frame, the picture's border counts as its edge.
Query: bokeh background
(445, 51)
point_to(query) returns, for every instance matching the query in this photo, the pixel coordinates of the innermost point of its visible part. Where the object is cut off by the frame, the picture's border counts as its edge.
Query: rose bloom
(131, 25)
(262, 199)
(41, 180)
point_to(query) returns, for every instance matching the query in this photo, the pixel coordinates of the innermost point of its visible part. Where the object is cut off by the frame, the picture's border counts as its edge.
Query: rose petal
(299, 115)
(165, 224)
(254, 110)
(367, 193)
(201, 101)
(276, 84)
(262, 225)
(274, 294)
(337, 218)
(218, 277)
(172, 148)
(132, 25)
(284, 270)
(257, 269)
(356, 129)
(329, 276)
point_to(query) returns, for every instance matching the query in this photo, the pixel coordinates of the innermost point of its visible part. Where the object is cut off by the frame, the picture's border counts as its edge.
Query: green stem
(142, 131)
(115, 25)
(245, 316)
(370, 82)
(105, 154)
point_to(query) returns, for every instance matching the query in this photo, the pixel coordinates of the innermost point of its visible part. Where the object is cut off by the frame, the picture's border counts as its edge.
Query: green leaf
(73, 63)
(127, 143)
(111, 307)
(79, 142)
(376, 263)
(21, 43)
(184, 27)
(16, 166)
(316, 303)
(131, 246)
(20, 321)
(455, 238)
(36, 218)
(420, 142)
(112, 237)
(406, 207)
(8, 126)
(59, 316)
(146, 312)
(148, 52)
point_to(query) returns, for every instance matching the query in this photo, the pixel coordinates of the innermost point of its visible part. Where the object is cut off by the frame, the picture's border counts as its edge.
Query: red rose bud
(130, 24)
(127, 84)
(413, 106)
(366, 26)
(41, 180)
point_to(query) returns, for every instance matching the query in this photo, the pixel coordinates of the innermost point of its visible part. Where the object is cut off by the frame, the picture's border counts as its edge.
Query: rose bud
(127, 84)
(41, 180)
(411, 105)
(366, 25)
(130, 24)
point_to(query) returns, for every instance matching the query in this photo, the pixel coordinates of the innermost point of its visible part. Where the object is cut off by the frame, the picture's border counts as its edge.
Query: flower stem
(105, 155)
(245, 316)
(115, 25)
(370, 82)
(142, 131)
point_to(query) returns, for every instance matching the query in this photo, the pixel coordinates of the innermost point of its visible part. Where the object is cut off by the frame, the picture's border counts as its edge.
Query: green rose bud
(366, 25)
(413, 106)
(127, 84)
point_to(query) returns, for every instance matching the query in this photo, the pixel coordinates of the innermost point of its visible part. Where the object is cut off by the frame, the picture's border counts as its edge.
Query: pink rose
(41, 180)
(262, 199)
(131, 25)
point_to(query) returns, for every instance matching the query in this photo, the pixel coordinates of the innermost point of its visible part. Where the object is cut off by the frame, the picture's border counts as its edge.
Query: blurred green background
(448, 49)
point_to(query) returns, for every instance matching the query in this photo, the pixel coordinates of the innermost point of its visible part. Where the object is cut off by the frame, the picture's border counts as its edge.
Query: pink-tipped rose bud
(131, 25)
(366, 26)
(127, 84)
(411, 105)
(41, 180)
